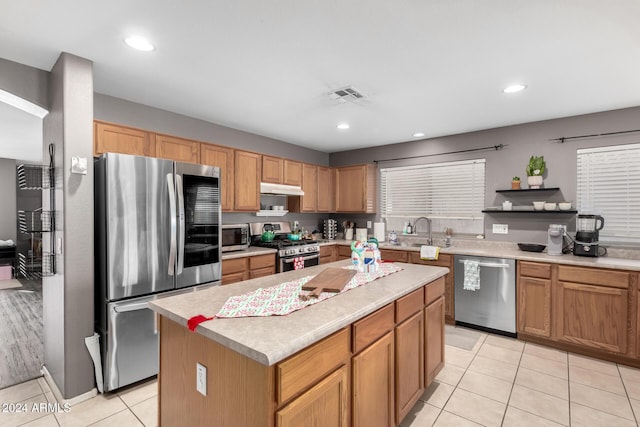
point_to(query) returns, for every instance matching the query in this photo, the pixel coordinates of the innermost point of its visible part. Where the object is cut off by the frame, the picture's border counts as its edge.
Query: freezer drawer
(493, 306)
(131, 350)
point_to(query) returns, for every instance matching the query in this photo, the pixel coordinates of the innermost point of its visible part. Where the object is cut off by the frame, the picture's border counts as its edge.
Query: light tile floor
(499, 382)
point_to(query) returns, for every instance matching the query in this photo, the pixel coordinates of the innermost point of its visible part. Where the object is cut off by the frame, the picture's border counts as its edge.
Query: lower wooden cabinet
(249, 267)
(327, 254)
(327, 403)
(373, 384)
(444, 260)
(344, 252)
(534, 306)
(409, 380)
(434, 339)
(592, 316)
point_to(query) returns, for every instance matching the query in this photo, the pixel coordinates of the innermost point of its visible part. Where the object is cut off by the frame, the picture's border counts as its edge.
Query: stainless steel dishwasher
(492, 306)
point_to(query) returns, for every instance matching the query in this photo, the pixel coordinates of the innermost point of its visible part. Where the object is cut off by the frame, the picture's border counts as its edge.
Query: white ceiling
(436, 66)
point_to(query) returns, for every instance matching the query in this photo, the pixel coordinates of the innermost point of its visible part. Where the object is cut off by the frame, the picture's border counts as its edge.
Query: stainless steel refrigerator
(157, 234)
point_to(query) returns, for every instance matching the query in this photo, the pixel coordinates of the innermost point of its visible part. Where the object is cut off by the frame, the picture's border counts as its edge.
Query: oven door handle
(290, 260)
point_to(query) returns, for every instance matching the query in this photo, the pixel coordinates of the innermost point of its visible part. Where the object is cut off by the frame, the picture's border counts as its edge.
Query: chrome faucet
(415, 228)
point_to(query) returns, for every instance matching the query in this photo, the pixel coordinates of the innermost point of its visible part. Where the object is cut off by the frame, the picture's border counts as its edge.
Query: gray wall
(68, 296)
(24, 81)
(123, 112)
(8, 216)
(521, 141)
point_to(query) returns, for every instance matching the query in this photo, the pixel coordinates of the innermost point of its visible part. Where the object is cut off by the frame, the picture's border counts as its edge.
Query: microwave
(235, 237)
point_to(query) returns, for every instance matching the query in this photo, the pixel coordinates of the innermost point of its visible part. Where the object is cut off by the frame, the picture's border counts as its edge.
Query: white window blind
(451, 190)
(609, 185)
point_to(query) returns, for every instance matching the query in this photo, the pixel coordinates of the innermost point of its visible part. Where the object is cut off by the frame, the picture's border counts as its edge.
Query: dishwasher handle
(489, 264)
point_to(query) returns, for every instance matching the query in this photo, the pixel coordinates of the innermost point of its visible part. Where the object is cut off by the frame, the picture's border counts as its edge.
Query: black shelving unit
(500, 211)
(528, 190)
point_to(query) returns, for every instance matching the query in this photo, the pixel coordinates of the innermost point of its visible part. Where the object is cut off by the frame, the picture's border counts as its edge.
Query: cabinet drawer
(372, 327)
(535, 269)
(262, 261)
(344, 251)
(261, 272)
(594, 276)
(433, 291)
(409, 304)
(444, 260)
(228, 279)
(235, 265)
(305, 368)
(393, 255)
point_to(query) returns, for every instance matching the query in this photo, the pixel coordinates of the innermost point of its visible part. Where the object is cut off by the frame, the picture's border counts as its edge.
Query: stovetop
(288, 247)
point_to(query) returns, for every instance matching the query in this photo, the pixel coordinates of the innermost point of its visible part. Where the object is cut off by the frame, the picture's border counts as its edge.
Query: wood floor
(21, 333)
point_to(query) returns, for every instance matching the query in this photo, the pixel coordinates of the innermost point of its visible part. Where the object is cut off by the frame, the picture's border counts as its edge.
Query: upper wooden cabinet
(308, 202)
(356, 189)
(110, 138)
(248, 171)
(222, 157)
(272, 169)
(326, 190)
(292, 173)
(178, 149)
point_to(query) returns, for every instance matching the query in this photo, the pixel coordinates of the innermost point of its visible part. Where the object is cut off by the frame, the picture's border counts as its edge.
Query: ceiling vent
(345, 94)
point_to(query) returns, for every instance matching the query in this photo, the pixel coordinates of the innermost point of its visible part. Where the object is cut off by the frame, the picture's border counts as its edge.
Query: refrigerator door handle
(179, 190)
(173, 227)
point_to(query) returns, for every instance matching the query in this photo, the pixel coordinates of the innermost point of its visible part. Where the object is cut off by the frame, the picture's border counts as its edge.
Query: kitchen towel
(429, 252)
(471, 275)
(298, 263)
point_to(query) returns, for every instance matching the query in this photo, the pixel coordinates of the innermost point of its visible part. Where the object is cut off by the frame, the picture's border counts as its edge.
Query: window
(609, 185)
(451, 194)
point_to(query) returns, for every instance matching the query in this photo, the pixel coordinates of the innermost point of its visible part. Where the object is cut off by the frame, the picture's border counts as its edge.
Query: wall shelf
(528, 190)
(501, 211)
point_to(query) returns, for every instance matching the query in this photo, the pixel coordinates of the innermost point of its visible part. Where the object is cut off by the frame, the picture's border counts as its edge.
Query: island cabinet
(444, 260)
(111, 138)
(368, 373)
(356, 188)
(177, 149)
(534, 299)
(224, 158)
(248, 172)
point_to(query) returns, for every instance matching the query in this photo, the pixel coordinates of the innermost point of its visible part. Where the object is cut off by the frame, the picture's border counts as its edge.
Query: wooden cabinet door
(325, 189)
(310, 188)
(272, 169)
(222, 157)
(292, 174)
(592, 316)
(444, 260)
(409, 375)
(434, 339)
(373, 384)
(110, 138)
(177, 149)
(326, 403)
(534, 306)
(356, 189)
(248, 170)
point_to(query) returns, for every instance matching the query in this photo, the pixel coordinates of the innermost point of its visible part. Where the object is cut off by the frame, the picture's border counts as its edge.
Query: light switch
(79, 165)
(500, 228)
(201, 379)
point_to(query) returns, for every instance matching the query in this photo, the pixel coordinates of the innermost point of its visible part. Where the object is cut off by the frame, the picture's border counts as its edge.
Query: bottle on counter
(393, 237)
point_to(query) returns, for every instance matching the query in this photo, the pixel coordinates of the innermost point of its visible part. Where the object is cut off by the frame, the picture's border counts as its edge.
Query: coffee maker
(587, 234)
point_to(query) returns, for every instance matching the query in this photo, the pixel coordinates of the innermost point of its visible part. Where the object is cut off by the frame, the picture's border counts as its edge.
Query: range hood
(287, 190)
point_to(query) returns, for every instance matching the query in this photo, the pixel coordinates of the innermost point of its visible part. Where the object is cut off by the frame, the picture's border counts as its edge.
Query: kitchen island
(362, 357)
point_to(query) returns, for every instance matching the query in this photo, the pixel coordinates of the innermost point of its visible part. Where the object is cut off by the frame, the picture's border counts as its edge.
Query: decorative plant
(536, 166)
(515, 178)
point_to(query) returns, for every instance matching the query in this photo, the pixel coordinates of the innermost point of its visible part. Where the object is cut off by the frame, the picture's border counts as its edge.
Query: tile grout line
(569, 386)
(624, 385)
(513, 384)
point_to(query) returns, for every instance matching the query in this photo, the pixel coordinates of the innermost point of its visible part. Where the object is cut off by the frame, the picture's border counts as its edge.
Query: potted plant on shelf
(535, 169)
(515, 183)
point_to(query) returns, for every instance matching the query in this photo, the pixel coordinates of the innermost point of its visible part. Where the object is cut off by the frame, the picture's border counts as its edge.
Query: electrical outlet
(500, 228)
(201, 379)
(368, 224)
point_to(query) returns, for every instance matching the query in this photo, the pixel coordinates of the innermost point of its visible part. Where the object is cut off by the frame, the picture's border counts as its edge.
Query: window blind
(453, 190)
(609, 185)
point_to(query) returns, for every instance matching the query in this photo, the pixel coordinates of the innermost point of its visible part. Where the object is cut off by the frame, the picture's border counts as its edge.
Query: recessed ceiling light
(514, 88)
(418, 134)
(343, 126)
(139, 43)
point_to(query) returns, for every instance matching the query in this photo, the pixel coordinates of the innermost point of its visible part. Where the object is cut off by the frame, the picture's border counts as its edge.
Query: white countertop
(269, 340)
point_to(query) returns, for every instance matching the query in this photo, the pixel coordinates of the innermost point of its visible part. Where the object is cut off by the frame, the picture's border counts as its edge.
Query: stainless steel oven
(288, 263)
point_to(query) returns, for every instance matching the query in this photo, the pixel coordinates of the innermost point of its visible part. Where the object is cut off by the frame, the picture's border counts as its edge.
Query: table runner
(285, 298)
